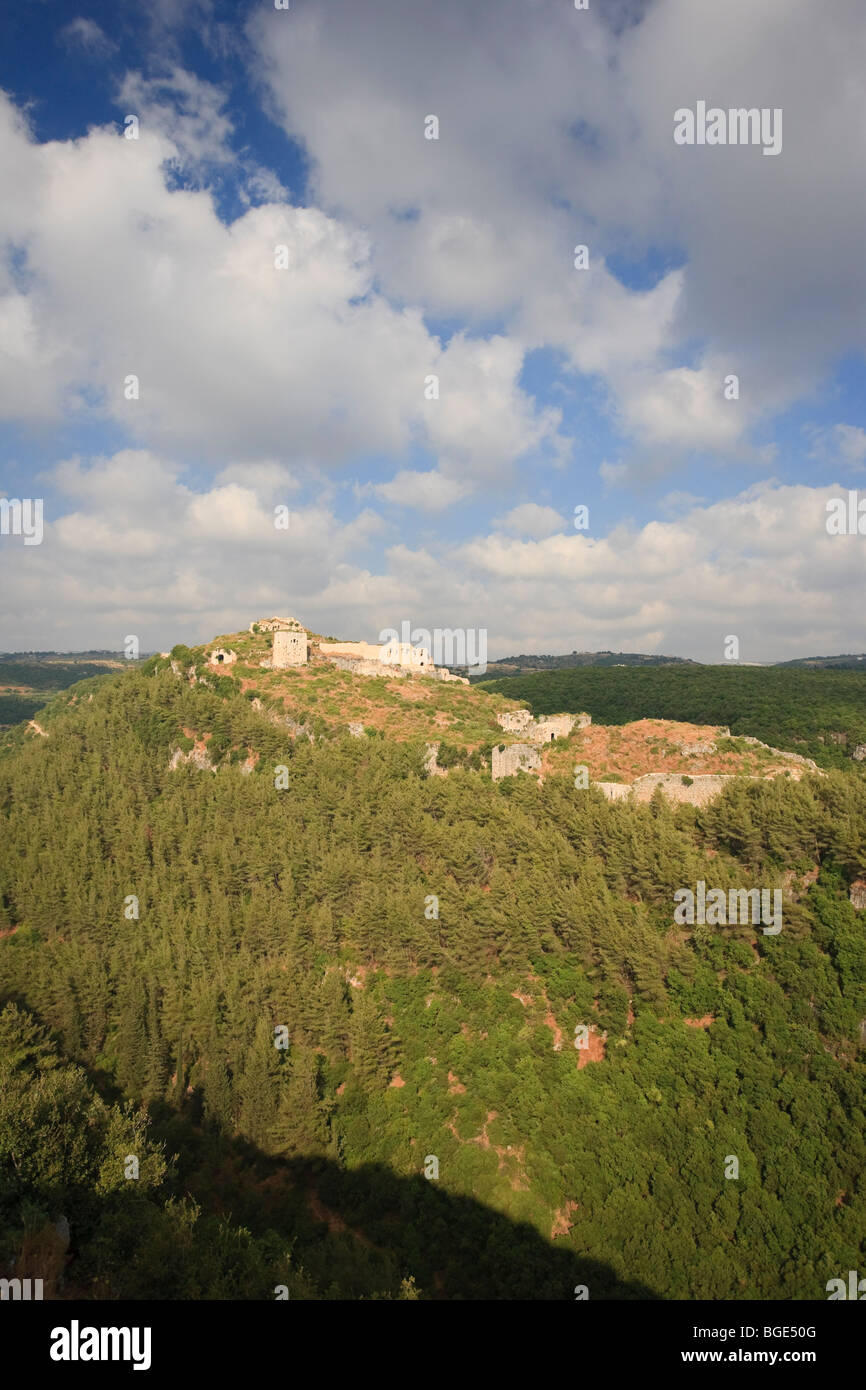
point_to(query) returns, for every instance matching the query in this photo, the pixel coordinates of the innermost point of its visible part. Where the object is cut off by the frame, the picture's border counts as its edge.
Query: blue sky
(409, 257)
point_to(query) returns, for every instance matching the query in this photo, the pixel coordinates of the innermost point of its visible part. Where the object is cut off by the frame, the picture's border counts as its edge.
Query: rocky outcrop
(516, 757)
(781, 753)
(197, 756)
(356, 730)
(696, 750)
(857, 894)
(431, 766)
(859, 753)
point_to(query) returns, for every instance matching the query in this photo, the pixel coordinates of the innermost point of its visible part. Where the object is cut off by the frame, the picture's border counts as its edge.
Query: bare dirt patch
(561, 1222)
(594, 1052)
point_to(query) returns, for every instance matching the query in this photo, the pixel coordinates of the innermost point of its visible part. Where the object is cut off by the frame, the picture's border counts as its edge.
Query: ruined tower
(290, 645)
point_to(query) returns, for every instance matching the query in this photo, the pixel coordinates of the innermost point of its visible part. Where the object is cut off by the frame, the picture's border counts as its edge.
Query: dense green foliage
(310, 908)
(526, 662)
(821, 714)
(39, 680)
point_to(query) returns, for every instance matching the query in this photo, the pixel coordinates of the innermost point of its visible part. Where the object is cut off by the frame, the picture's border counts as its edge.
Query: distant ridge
(849, 662)
(520, 665)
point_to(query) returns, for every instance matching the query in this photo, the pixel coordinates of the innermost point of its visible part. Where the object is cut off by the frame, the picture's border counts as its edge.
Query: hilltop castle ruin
(292, 648)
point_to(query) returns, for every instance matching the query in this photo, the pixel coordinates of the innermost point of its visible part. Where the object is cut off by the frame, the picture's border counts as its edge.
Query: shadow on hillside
(352, 1233)
(368, 1228)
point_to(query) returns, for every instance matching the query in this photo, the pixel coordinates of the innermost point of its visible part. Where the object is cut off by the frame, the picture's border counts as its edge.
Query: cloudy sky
(292, 270)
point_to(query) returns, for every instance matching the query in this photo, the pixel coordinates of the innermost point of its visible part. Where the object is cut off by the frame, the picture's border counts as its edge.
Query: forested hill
(821, 714)
(520, 665)
(332, 1003)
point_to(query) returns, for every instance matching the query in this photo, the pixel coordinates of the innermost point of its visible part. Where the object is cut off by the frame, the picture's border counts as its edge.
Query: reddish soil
(396, 1081)
(456, 1088)
(561, 1223)
(595, 1052)
(700, 1022)
(557, 1031)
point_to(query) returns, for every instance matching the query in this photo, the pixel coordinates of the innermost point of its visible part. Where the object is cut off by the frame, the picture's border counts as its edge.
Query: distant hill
(827, 663)
(28, 680)
(524, 664)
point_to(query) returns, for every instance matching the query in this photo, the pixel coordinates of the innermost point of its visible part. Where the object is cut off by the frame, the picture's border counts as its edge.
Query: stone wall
(514, 721)
(551, 727)
(516, 757)
(290, 649)
(221, 657)
(698, 791)
(366, 668)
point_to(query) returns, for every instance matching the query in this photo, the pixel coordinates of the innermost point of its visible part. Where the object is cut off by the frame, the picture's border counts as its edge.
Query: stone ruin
(544, 730)
(290, 648)
(220, 657)
(392, 659)
(516, 757)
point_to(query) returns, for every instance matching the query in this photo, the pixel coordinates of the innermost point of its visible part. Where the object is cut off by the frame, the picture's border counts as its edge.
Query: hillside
(29, 679)
(820, 714)
(318, 968)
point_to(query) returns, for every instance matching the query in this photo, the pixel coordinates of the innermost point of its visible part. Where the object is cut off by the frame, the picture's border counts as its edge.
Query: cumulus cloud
(427, 492)
(531, 519)
(556, 128)
(266, 338)
(135, 548)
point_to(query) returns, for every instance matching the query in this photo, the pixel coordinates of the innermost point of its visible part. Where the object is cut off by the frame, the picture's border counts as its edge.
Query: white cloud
(86, 36)
(531, 519)
(138, 550)
(556, 128)
(428, 492)
(233, 355)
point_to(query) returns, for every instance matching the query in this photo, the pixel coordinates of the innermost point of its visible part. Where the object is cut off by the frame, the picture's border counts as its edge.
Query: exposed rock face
(857, 894)
(356, 730)
(859, 753)
(780, 753)
(517, 757)
(431, 766)
(696, 750)
(197, 756)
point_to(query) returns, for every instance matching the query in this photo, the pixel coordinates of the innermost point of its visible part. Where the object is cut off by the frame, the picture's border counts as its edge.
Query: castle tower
(290, 645)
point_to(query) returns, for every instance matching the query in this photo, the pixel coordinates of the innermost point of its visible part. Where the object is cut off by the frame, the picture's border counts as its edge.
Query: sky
(241, 286)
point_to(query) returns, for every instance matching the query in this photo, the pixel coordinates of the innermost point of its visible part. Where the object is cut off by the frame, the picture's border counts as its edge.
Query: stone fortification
(516, 757)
